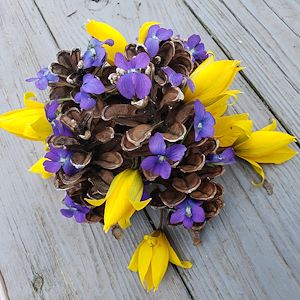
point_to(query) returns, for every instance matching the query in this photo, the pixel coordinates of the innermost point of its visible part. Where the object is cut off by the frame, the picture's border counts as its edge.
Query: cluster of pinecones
(114, 135)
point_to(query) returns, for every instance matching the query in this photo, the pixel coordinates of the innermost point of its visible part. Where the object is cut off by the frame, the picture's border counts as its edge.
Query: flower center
(200, 125)
(188, 211)
(161, 158)
(93, 52)
(62, 160)
(132, 71)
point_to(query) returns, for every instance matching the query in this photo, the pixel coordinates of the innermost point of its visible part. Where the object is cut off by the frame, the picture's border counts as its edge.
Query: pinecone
(114, 134)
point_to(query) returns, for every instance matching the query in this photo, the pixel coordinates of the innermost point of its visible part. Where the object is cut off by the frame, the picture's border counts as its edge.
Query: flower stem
(61, 100)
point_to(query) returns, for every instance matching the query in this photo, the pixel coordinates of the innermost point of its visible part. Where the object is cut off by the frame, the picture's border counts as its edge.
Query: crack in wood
(3, 288)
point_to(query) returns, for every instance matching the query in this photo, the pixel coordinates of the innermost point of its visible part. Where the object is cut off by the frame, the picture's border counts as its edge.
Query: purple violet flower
(60, 129)
(74, 210)
(91, 85)
(156, 34)
(57, 159)
(188, 213)
(43, 77)
(95, 55)
(196, 47)
(203, 122)
(224, 158)
(158, 164)
(51, 109)
(132, 82)
(174, 78)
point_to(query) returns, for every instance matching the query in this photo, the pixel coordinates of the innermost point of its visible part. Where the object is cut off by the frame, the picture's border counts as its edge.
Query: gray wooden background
(250, 252)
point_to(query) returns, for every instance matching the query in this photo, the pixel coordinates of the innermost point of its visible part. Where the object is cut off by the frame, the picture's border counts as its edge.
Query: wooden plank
(265, 45)
(42, 255)
(251, 251)
(288, 12)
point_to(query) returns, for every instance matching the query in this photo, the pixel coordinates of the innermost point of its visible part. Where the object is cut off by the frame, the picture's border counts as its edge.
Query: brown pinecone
(114, 135)
(70, 69)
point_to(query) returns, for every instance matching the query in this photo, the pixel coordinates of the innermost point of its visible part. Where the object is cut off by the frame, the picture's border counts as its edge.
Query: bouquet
(135, 125)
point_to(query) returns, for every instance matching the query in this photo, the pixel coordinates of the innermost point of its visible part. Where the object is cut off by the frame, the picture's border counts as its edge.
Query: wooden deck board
(271, 70)
(251, 251)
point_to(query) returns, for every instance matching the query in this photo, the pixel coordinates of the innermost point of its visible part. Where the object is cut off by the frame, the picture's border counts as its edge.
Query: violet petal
(175, 152)
(177, 216)
(198, 214)
(68, 213)
(125, 86)
(149, 162)
(157, 144)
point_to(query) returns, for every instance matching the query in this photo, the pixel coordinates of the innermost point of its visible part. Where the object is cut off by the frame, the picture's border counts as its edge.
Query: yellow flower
(38, 168)
(152, 257)
(29, 122)
(212, 80)
(265, 146)
(122, 199)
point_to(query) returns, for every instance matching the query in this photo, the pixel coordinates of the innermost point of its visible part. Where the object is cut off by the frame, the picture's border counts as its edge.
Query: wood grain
(251, 251)
(270, 50)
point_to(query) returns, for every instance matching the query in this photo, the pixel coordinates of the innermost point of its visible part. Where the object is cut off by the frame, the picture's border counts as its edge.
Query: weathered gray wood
(251, 251)
(42, 255)
(270, 50)
(288, 12)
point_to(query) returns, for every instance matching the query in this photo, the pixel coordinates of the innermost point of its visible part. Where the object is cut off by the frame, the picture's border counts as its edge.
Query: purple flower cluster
(44, 76)
(224, 158)
(58, 128)
(196, 47)
(203, 122)
(132, 82)
(156, 34)
(75, 210)
(188, 213)
(95, 55)
(90, 85)
(159, 163)
(59, 158)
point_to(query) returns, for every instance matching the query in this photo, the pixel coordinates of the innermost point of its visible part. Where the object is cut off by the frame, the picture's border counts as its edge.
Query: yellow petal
(229, 128)
(30, 100)
(280, 156)
(271, 127)
(133, 265)
(95, 202)
(125, 221)
(149, 280)
(102, 32)
(38, 168)
(145, 257)
(174, 259)
(29, 122)
(160, 260)
(144, 31)
(263, 143)
(259, 170)
(212, 80)
(124, 193)
(220, 104)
